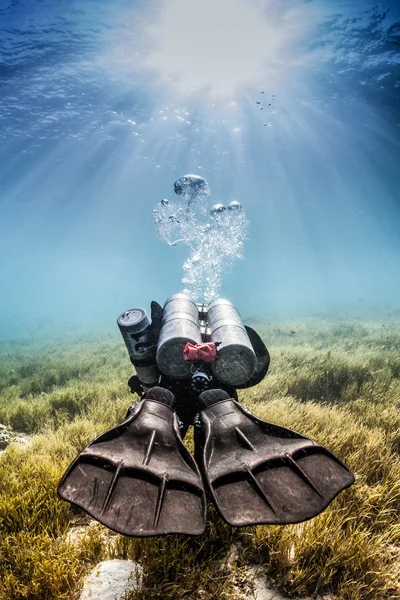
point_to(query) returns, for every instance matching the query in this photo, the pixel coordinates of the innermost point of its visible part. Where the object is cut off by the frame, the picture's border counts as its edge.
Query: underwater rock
(5, 437)
(257, 586)
(111, 580)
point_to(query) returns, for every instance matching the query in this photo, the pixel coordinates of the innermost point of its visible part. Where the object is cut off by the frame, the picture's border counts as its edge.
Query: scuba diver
(139, 479)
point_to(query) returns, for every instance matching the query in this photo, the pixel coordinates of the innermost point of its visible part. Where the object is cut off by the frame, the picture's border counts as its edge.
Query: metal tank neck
(204, 328)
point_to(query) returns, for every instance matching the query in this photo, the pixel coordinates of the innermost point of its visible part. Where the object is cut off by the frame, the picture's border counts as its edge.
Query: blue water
(104, 104)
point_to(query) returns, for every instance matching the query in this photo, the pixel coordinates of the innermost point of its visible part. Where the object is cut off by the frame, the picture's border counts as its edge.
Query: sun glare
(219, 47)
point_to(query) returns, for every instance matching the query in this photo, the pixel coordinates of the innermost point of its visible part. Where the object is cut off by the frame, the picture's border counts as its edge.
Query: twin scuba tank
(158, 348)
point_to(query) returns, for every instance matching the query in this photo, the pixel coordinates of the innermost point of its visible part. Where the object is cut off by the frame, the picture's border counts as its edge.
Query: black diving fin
(138, 478)
(259, 473)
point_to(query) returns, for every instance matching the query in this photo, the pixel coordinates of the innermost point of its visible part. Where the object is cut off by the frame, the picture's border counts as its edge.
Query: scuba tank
(158, 349)
(236, 362)
(180, 325)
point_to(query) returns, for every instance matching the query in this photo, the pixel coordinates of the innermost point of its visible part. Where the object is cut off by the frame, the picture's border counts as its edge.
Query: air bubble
(217, 209)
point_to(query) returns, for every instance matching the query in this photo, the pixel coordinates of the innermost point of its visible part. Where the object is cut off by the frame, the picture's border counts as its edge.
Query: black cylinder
(134, 327)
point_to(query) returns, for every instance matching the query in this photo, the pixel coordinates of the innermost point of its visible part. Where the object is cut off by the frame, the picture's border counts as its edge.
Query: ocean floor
(335, 381)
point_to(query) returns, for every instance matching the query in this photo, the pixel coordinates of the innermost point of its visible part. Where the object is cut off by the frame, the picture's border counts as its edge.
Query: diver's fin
(257, 472)
(138, 478)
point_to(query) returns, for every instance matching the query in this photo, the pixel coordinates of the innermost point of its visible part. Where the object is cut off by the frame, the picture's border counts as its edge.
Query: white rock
(111, 579)
(5, 437)
(262, 591)
(22, 440)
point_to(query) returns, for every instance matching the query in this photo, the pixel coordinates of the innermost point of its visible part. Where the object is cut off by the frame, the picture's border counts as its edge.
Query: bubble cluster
(215, 237)
(266, 103)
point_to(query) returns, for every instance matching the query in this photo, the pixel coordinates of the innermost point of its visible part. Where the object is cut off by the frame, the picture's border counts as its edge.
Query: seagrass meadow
(335, 381)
